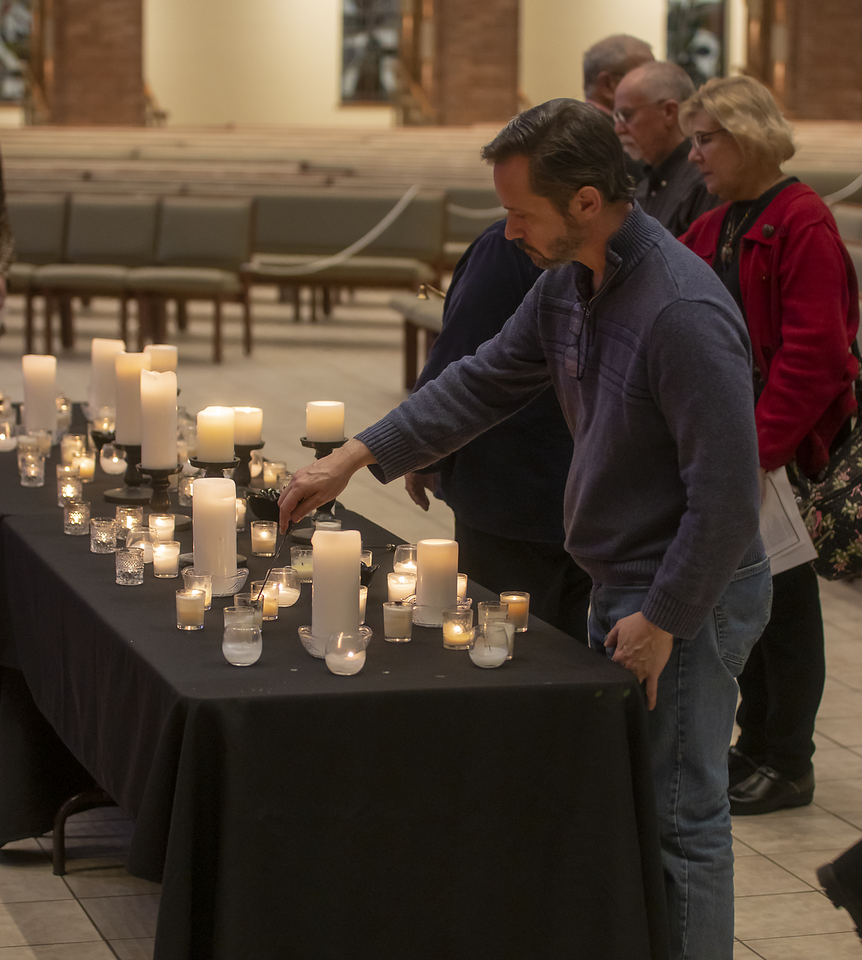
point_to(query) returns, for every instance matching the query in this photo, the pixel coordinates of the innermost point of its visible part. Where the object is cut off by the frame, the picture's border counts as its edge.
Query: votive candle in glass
(263, 537)
(68, 489)
(401, 585)
(166, 555)
(129, 567)
(44, 439)
(31, 467)
(76, 518)
(457, 627)
(288, 585)
(363, 601)
(190, 609)
(274, 472)
(196, 579)
(8, 439)
(519, 608)
(112, 460)
(86, 464)
(127, 519)
(241, 511)
(397, 621)
(268, 592)
(70, 445)
(162, 526)
(103, 535)
(462, 586)
(302, 561)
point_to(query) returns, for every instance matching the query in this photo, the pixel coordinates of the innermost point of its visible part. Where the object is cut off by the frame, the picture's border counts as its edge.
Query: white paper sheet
(784, 535)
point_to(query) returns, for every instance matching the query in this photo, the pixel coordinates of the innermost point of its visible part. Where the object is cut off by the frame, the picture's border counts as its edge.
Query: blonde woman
(775, 246)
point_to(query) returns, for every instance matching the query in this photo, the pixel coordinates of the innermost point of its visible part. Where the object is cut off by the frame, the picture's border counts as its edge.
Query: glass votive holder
(255, 466)
(288, 585)
(462, 585)
(273, 472)
(162, 526)
(64, 413)
(196, 579)
(238, 615)
(69, 489)
(127, 519)
(363, 602)
(129, 567)
(44, 439)
(8, 437)
(492, 610)
(141, 539)
(105, 420)
(112, 460)
(251, 600)
(86, 464)
(65, 470)
(400, 586)
(166, 559)
(267, 590)
(103, 535)
(490, 646)
(519, 608)
(345, 653)
(184, 491)
(76, 518)
(263, 537)
(242, 644)
(302, 561)
(404, 560)
(71, 444)
(457, 628)
(330, 524)
(397, 621)
(31, 467)
(27, 444)
(241, 511)
(366, 557)
(190, 609)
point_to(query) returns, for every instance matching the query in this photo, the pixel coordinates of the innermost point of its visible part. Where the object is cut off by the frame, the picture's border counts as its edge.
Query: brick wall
(98, 62)
(476, 60)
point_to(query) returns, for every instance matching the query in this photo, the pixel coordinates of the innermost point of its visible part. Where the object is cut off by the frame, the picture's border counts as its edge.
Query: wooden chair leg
(296, 294)
(327, 301)
(124, 317)
(246, 321)
(28, 322)
(182, 315)
(48, 332)
(67, 322)
(217, 351)
(144, 312)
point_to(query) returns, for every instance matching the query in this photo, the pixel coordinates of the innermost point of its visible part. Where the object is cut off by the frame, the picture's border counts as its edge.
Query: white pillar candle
(335, 589)
(128, 421)
(214, 529)
(40, 392)
(248, 425)
(158, 420)
(436, 579)
(163, 357)
(215, 434)
(103, 372)
(324, 420)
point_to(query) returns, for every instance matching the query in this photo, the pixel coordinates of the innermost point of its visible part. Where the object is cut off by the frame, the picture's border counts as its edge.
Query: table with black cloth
(422, 808)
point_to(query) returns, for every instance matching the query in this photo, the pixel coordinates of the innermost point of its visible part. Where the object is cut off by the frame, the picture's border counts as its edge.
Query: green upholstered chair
(39, 226)
(422, 317)
(201, 248)
(469, 211)
(848, 216)
(294, 231)
(106, 237)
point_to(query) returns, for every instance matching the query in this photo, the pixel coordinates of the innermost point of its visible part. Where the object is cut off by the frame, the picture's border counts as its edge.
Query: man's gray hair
(663, 81)
(615, 55)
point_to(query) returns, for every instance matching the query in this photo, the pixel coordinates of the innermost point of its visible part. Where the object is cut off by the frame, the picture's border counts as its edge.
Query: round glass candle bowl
(490, 646)
(103, 535)
(288, 585)
(457, 627)
(129, 568)
(316, 646)
(397, 621)
(404, 560)
(345, 653)
(190, 609)
(112, 460)
(242, 644)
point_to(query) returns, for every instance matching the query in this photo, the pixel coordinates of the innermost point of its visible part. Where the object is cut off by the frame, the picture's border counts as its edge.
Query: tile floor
(97, 911)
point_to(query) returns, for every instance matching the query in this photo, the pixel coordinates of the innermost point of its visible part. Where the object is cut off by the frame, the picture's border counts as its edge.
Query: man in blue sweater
(651, 363)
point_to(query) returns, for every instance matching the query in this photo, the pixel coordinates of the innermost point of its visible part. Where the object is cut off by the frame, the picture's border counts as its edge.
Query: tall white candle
(128, 367)
(163, 357)
(215, 434)
(248, 425)
(214, 529)
(324, 420)
(335, 588)
(103, 372)
(40, 392)
(158, 420)
(436, 579)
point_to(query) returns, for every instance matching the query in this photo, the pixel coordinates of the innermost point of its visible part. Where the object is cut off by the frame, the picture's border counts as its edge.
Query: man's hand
(417, 483)
(321, 481)
(643, 648)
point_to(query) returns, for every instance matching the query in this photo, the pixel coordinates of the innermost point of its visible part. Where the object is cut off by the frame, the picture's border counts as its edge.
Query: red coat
(802, 308)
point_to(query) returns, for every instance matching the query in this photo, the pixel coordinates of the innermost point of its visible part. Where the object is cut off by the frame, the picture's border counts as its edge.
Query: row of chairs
(153, 250)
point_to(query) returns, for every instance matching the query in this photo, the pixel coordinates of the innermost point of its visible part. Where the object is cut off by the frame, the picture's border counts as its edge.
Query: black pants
(782, 682)
(559, 590)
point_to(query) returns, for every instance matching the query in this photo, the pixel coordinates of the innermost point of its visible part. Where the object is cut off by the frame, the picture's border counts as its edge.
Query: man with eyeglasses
(646, 104)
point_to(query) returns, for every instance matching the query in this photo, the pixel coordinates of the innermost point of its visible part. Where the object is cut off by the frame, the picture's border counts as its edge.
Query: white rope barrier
(471, 213)
(847, 191)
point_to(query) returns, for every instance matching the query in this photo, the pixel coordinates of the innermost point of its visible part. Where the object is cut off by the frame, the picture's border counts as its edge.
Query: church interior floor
(98, 911)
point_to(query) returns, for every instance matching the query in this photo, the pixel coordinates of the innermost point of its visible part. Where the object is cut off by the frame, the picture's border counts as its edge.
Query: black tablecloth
(421, 808)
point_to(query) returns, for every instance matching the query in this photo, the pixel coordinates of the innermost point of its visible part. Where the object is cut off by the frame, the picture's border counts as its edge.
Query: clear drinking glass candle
(401, 585)
(519, 608)
(288, 585)
(68, 489)
(268, 592)
(103, 535)
(166, 555)
(190, 609)
(162, 526)
(76, 519)
(242, 644)
(263, 537)
(195, 579)
(129, 567)
(457, 628)
(397, 621)
(31, 467)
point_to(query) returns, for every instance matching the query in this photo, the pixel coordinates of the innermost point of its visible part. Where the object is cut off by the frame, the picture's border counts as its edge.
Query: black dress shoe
(841, 894)
(766, 790)
(739, 767)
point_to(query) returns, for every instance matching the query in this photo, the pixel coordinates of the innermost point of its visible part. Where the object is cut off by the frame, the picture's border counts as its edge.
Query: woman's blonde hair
(748, 111)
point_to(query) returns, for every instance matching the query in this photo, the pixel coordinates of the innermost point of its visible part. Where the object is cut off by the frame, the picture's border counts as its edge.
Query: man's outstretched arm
(321, 481)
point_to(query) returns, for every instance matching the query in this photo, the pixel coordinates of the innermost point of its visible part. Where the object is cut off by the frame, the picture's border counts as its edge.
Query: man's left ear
(587, 202)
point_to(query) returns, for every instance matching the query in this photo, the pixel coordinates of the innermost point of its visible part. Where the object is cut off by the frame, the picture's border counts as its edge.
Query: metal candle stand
(212, 469)
(322, 448)
(133, 493)
(242, 473)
